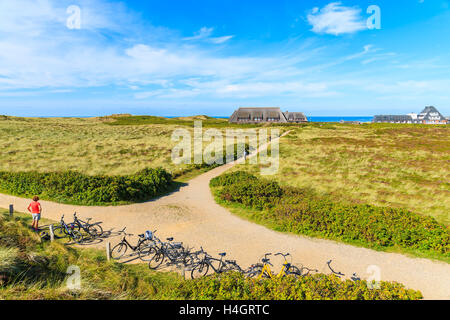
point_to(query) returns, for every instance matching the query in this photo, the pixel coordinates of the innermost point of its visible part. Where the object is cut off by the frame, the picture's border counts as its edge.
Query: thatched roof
(257, 115)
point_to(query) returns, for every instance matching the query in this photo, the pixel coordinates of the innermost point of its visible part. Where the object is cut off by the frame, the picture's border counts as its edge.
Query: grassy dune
(85, 145)
(399, 166)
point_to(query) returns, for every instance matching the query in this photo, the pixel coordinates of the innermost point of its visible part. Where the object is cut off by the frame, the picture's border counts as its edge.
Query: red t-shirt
(34, 207)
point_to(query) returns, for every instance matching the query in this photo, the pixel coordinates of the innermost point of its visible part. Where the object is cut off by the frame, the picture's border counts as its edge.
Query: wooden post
(108, 250)
(52, 233)
(11, 210)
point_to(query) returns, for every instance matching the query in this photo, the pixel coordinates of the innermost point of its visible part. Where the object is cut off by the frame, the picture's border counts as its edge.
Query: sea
(338, 119)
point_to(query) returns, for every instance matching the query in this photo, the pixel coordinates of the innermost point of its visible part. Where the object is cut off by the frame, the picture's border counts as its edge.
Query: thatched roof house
(271, 115)
(297, 117)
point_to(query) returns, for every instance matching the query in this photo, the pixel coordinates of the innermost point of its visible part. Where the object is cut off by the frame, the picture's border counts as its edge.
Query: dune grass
(85, 145)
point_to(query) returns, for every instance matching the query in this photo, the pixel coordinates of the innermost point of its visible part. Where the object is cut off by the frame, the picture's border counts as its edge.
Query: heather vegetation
(303, 211)
(31, 269)
(78, 188)
(389, 165)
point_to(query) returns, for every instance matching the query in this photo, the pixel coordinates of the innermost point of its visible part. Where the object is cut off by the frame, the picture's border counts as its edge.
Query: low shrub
(301, 211)
(75, 187)
(232, 178)
(247, 189)
(234, 286)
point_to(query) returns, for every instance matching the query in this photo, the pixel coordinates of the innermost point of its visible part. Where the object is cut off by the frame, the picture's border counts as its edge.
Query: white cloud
(205, 34)
(336, 19)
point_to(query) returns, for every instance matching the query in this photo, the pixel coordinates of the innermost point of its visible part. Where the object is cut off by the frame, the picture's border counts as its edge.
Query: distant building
(350, 122)
(429, 115)
(392, 119)
(266, 115)
(413, 115)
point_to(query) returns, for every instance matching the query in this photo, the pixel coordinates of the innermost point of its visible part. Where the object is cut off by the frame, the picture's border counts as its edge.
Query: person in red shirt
(35, 209)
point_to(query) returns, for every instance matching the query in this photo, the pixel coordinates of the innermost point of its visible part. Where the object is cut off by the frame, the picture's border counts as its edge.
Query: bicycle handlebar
(337, 273)
(282, 254)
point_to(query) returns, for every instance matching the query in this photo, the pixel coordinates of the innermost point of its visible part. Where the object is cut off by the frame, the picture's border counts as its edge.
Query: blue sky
(190, 57)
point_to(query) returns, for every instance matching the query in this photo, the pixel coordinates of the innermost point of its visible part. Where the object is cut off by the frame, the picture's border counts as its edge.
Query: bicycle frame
(134, 248)
(266, 267)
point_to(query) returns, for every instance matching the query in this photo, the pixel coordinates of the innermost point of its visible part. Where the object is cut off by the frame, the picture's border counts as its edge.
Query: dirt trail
(192, 216)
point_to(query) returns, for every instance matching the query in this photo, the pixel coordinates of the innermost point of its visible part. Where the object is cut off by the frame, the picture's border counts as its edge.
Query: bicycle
(64, 230)
(263, 270)
(201, 269)
(192, 258)
(339, 274)
(161, 251)
(142, 248)
(93, 229)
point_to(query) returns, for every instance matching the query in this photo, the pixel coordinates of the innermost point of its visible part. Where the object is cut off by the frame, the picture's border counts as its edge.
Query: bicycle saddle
(223, 254)
(141, 236)
(170, 239)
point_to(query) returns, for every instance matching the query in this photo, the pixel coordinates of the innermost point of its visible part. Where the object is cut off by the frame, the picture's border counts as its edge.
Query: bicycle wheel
(59, 232)
(231, 267)
(76, 236)
(95, 231)
(70, 228)
(294, 271)
(254, 271)
(74, 226)
(200, 270)
(118, 251)
(145, 252)
(157, 258)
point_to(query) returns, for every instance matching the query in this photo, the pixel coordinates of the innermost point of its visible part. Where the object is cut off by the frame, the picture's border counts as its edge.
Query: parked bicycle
(93, 229)
(339, 274)
(174, 252)
(263, 270)
(64, 230)
(202, 268)
(142, 248)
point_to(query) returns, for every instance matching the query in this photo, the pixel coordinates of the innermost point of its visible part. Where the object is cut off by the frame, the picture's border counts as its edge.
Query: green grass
(399, 166)
(31, 270)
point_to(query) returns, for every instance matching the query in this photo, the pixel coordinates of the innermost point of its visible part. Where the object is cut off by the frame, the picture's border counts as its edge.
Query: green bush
(303, 212)
(75, 187)
(247, 189)
(234, 286)
(232, 178)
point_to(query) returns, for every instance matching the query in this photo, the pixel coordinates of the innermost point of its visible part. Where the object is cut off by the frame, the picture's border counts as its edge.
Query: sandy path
(192, 216)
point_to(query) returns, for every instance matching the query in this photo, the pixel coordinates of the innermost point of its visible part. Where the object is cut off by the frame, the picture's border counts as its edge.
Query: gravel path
(192, 216)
